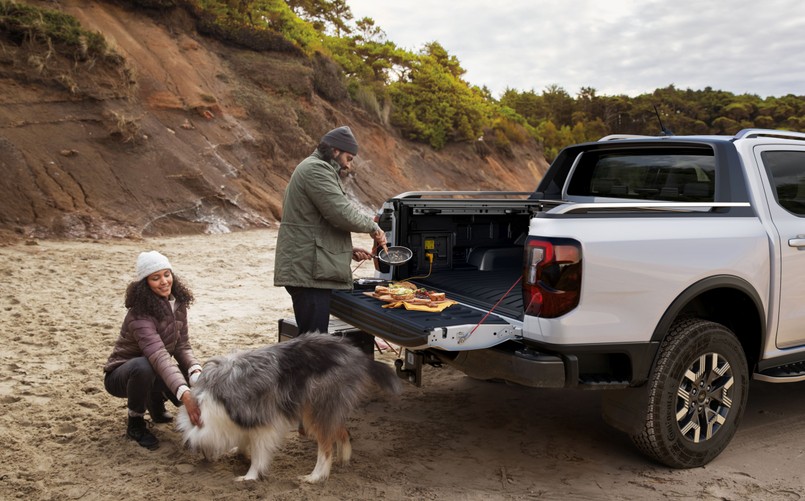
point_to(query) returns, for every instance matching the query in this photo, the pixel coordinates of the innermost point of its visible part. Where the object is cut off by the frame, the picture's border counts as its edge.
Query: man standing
(314, 243)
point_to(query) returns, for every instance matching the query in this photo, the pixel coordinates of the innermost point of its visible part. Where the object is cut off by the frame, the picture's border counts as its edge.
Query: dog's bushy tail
(385, 378)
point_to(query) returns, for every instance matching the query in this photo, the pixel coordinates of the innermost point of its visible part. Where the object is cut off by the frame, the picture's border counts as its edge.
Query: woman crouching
(152, 360)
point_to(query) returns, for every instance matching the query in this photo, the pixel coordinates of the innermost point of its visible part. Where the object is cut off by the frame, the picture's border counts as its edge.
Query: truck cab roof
(741, 135)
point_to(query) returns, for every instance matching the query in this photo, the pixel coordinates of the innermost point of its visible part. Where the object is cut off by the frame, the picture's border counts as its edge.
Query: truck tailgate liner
(400, 326)
(480, 288)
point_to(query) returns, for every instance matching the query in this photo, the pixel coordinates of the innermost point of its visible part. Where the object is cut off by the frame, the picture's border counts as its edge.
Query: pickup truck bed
(477, 258)
(480, 288)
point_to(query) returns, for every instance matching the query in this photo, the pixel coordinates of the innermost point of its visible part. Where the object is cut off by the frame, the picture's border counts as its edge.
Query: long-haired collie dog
(252, 399)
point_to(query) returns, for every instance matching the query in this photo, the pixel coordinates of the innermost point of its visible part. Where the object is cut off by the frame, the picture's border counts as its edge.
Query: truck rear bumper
(513, 363)
(526, 365)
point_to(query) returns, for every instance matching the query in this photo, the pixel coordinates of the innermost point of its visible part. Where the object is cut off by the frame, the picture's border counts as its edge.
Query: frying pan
(394, 255)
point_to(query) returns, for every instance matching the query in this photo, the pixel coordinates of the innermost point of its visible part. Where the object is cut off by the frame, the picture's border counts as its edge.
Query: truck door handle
(797, 242)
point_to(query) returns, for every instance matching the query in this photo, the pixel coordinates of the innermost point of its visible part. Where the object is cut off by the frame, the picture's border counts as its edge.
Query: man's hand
(360, 254)
(379, 236)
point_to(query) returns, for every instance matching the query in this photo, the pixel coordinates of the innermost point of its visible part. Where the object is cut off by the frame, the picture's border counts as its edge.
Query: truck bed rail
(572, 207)
(450, 194)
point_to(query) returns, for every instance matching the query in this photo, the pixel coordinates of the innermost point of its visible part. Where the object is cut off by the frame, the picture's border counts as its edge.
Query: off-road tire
(696, 395)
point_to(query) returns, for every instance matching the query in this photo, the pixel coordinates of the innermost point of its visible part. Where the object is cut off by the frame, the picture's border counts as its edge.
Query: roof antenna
(665, 132)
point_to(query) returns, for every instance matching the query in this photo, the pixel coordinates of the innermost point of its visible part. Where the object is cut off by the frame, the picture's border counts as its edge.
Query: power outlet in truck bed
(439, 244)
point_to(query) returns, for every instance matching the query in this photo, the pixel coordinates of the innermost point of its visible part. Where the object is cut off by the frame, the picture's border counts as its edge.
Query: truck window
(786, 171)
(669, 175)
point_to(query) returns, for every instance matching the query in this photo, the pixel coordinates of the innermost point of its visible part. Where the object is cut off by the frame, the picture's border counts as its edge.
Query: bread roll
(402, 294)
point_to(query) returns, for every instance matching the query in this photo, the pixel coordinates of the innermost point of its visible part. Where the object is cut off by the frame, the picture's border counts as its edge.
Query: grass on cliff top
(25, 23)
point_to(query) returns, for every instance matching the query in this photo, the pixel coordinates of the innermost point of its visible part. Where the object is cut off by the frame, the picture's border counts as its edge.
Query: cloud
(615, 46)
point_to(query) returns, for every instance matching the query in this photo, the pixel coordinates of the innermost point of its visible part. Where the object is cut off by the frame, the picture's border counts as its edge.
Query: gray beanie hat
(151, 262)
(341, 138)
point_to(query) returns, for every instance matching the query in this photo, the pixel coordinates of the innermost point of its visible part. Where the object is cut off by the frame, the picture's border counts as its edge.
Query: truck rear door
(784, 173)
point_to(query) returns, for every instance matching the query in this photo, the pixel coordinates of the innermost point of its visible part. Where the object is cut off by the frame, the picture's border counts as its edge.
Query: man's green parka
(314, 243)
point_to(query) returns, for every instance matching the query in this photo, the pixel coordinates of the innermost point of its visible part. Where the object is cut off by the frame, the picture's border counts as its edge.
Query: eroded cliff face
(188, 135)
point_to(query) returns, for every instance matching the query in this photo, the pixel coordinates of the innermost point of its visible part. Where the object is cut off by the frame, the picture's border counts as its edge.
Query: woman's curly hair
(142, 300)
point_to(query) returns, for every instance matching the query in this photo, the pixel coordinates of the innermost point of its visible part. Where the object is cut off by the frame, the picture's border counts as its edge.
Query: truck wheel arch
(724, 299)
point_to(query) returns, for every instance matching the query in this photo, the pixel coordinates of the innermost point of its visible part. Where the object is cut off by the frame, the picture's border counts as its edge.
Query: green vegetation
(424, 93)
(561, 119)
(258, 24)
(425, 96)
(26, 24)
(433, 105)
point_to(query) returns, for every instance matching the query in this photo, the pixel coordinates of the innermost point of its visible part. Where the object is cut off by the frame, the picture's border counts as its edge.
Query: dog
(250, 400)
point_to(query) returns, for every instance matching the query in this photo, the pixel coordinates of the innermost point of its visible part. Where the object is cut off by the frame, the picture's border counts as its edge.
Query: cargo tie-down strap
(464, 338)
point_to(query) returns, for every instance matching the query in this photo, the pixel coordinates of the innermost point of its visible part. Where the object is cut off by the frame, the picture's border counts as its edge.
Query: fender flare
(684, 299)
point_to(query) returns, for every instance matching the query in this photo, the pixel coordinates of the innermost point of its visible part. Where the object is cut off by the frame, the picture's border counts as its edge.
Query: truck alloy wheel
(704, 398)
(696, 395)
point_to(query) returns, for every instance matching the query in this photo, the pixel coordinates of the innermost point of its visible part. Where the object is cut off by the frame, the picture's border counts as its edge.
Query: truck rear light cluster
(551, 276)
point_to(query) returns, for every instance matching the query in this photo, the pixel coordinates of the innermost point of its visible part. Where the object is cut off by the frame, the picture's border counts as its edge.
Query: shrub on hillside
(57, 31)
(246, 36)
(153, 4)
(328, 79)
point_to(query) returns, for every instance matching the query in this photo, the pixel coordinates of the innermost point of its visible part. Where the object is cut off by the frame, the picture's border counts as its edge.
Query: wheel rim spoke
(704, 397)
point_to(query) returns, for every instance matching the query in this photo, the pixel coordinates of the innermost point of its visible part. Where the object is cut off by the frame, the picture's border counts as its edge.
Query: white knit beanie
(151, 262)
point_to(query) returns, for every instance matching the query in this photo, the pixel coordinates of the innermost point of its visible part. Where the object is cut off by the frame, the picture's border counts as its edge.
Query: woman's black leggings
(137, 381)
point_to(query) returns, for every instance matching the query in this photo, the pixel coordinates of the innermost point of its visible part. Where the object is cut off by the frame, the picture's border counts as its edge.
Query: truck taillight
(551, 277)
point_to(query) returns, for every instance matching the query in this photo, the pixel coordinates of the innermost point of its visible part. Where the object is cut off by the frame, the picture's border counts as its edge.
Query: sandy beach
(63, 436)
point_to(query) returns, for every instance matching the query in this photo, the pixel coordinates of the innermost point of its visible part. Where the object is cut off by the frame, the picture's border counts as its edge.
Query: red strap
(495, 306)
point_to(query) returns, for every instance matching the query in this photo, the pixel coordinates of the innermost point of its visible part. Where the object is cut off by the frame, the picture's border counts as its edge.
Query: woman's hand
(193, 411)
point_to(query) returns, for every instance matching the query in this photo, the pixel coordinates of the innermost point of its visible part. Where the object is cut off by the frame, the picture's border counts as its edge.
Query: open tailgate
(456, 328)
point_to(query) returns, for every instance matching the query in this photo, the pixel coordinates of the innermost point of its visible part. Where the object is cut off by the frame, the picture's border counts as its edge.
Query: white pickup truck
(667, 271)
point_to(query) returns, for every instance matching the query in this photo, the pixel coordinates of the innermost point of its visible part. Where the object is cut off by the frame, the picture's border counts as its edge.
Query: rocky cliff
(185, 134)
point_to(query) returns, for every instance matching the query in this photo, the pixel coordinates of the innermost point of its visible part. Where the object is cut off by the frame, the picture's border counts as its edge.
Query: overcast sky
(614, 46)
